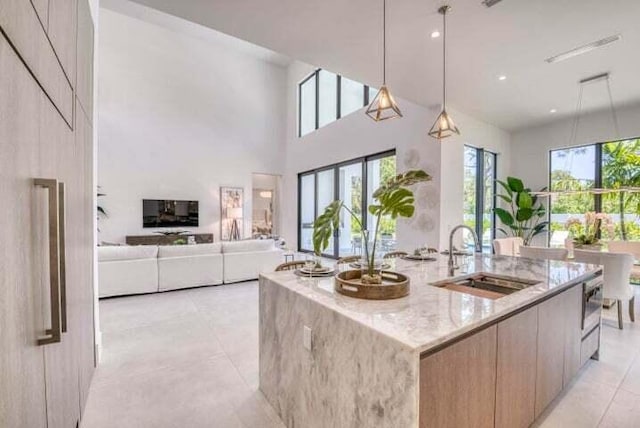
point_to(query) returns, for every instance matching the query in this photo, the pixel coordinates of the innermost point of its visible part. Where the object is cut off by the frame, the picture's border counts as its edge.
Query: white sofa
(244, 260)
(184, 266)
(127, 270)
(148, 269)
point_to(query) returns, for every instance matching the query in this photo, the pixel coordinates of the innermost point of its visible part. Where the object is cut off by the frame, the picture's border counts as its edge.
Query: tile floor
(190, 359)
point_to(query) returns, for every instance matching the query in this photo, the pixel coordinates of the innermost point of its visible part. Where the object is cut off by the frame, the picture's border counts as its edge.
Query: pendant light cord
(384, 42)
(576, 121)
(614, 115)
(444, 59)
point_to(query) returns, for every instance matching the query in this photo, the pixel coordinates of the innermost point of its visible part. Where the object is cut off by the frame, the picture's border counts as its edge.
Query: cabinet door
(551, 344)
(457, 384)
(573, 332)
(61, 358)
(23, 226)
(84, 68)
(22, 26)
(516, 374)
(62, 33)
(84, 143)
(42, 9)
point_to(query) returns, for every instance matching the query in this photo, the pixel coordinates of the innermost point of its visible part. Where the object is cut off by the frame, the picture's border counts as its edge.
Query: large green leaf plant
(393, 198)
(524, 215)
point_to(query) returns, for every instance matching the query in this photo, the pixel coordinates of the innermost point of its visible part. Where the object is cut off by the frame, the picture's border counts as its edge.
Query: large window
(325, 97)
(479, 195)
(353, 182)
(611, 165)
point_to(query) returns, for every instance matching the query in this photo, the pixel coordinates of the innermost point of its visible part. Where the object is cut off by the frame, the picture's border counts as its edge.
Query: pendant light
(444, 126)
(383, 105)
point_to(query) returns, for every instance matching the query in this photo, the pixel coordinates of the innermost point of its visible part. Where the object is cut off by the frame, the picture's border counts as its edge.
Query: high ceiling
(512, 39)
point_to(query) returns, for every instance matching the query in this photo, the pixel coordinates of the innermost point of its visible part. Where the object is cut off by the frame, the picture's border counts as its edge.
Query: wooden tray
(394, 285)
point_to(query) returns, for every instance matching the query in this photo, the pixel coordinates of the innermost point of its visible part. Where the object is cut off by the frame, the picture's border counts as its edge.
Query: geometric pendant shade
(443, 127)
(383, 106)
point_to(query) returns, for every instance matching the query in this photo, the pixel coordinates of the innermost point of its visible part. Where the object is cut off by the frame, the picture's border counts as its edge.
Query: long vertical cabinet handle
(53, 334)
(62, 258)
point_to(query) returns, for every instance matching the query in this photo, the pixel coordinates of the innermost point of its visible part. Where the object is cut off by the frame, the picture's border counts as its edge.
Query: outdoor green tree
(621, 168)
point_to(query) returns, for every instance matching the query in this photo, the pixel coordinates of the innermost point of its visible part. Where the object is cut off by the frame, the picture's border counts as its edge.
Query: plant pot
(393, 285)
(590, 247)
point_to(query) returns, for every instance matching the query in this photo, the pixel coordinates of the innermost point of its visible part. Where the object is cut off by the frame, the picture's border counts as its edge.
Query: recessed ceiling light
(584, 49)
(552, 111)
(503, 77)
(435, 34)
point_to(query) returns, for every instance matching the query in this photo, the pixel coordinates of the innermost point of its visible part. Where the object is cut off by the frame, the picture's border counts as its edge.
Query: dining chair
(616, 269)
(631, 247)
(290, 265)
(544, 253)
(507, 246)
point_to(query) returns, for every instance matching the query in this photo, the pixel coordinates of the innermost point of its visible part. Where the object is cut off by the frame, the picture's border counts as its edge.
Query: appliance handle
(62, 259)
(53, 335)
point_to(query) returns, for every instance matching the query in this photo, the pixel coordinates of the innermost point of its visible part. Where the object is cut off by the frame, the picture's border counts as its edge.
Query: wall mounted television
(169, 213)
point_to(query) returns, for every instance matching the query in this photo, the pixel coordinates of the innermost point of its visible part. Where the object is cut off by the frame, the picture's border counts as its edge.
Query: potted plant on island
(392, 199)
(586, 235)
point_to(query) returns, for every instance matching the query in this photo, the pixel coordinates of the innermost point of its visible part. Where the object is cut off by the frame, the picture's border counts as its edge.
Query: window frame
(597, 177)
(316, 73)
(363, 160)
(480, 191)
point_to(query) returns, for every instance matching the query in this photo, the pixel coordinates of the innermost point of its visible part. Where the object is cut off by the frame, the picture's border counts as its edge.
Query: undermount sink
(486, 285)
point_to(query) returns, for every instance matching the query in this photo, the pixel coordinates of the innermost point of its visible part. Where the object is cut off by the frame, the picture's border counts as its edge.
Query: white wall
(179, 117)
(439, 202)
(530, 149)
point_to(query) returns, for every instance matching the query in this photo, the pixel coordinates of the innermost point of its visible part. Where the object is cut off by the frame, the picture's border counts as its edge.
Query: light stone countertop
(431, 315)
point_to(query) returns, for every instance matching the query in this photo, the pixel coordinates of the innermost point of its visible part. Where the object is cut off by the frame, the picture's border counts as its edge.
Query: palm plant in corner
(393, 198)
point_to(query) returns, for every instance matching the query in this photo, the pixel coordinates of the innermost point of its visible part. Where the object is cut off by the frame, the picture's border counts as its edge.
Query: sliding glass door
(350, 192)
(307, 211)
(479, 195)
(353, 182)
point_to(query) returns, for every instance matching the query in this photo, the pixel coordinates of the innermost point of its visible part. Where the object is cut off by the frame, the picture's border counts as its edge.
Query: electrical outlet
(306, 338)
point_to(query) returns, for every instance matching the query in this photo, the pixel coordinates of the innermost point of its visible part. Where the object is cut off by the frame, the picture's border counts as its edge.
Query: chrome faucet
(451, 264)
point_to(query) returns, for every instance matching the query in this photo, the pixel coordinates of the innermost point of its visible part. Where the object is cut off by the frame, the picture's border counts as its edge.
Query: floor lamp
(234, 214)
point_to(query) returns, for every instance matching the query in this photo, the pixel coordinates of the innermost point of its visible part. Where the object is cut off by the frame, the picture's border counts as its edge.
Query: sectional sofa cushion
(127, 270)
(127, 252)
(250, 245)
(184, 266)
(188, 250)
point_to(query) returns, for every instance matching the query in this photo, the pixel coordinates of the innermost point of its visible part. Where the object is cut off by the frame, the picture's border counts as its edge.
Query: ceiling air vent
(584, 49)
(490, 3)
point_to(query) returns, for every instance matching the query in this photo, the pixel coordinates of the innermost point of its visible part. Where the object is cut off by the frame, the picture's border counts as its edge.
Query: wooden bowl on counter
(394, 285)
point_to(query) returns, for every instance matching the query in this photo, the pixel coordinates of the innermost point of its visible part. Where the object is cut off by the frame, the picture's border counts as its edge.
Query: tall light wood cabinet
(572, 332)
(516, 370)
(22, 388)
(550, 351)
(457, 384)
(43, 134)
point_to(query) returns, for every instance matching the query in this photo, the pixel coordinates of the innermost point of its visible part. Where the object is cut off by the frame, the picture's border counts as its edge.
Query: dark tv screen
(169, 213)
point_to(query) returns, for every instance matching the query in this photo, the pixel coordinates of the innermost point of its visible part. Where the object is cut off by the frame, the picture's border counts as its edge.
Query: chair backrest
(349, 259)
(616, 270)
(631, 247)
(394, 254)
(558, 238)
(544, 253)
(507, 246)
(290, 265)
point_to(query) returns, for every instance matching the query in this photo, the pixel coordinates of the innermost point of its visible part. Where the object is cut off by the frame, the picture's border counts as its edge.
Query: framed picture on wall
(231, 213)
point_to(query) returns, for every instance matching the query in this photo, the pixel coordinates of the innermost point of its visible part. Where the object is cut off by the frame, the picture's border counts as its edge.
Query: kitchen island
(436, 358)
